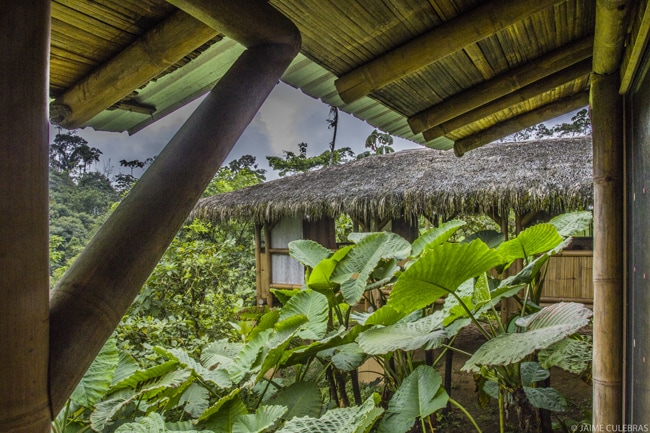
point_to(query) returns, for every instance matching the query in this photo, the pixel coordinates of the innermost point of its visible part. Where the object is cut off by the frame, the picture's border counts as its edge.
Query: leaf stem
(467, 414)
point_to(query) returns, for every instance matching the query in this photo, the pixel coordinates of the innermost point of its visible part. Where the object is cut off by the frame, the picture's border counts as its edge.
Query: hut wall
(569, 278)
(275, 268)
(284, 269)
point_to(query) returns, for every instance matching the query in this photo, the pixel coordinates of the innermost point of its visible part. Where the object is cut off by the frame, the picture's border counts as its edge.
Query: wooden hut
(534, 180)
(445, 73)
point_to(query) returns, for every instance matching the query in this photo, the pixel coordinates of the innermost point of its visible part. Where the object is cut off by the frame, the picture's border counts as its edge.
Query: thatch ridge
(553, 175)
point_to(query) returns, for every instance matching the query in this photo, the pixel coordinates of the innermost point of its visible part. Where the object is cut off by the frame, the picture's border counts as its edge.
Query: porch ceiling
(432, 71)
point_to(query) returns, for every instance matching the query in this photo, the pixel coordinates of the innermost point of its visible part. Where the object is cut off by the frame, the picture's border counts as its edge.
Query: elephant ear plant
(293, 370)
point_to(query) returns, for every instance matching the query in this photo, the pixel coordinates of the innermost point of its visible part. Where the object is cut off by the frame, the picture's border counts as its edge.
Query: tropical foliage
(294, 369)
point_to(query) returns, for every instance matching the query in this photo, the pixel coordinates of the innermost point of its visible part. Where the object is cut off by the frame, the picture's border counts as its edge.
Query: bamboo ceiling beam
(609, 35)
(572, 73)
(503, 129)
(90, 299)
(634, 55)
(502, 85)
(24, 264)
(468, 28)
(243, 20)
(146, 58)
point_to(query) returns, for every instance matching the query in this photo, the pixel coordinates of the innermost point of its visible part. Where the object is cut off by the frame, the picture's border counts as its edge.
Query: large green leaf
(312, 305)
(220, 353)
(573, 223)
(308, 252)
(152, 423)
(195, 400)
(426, 333)
(532, 241)
(221, 416)
(249, 359)
(218, 377)
(348, 357)
(126, 366)
(301, 398)
(263, 418)
(320, 276)
(145, 375)
(440, 271)
(435, 236)
(277, 344)
(385, 315)
(546, 398)
(346, 420)
(302, 354)
(353, 270)
(97, 380)
(572, 355)
(419, 395)
(542, 329)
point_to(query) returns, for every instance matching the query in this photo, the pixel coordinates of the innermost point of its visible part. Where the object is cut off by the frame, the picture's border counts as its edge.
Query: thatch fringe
(552, 175)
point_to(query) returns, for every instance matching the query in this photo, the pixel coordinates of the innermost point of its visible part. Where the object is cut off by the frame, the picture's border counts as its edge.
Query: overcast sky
(288, 117)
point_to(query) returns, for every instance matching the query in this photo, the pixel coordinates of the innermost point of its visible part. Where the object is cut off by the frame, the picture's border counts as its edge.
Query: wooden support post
(258, 264)
(24, 265)
(609, 202)
(92, 296)
(143, 60)
(608, 261)
(572, 73)
(502, 85)
(471, 27)
(548, 111)
(267, 277)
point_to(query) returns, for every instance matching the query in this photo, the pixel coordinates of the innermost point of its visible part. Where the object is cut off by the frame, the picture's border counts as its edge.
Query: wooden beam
(567, 75)
(548, 111)
(634, 54)
(608, 261)
(249, 22)
(609, 34)
(90, 299)
(24, 263)
(468, 28)
(156, 51)
(502, 85)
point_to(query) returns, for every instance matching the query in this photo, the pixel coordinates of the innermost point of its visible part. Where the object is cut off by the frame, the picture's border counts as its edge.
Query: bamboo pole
(24, 264)
(610, 34)
(567, 75)
(608, 262)
(548, 111)
(468, 28)
(268, 263)
(609, 242)
(503, 85)
(92, 296)
(157, 50)
(258, 264)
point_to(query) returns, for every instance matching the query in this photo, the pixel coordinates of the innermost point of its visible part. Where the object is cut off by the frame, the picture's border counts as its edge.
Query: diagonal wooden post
(24, 265)
(92, 296)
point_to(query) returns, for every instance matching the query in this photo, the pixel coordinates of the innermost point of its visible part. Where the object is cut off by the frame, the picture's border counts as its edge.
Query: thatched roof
(552, 175)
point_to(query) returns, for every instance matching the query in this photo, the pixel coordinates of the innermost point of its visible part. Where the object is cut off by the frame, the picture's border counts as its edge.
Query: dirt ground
(463, 390)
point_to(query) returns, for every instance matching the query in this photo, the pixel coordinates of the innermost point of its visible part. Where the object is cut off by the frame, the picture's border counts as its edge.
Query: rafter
(532, 90)
(548, 111)
(146, 58)
(471, 27)
(502, 85)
